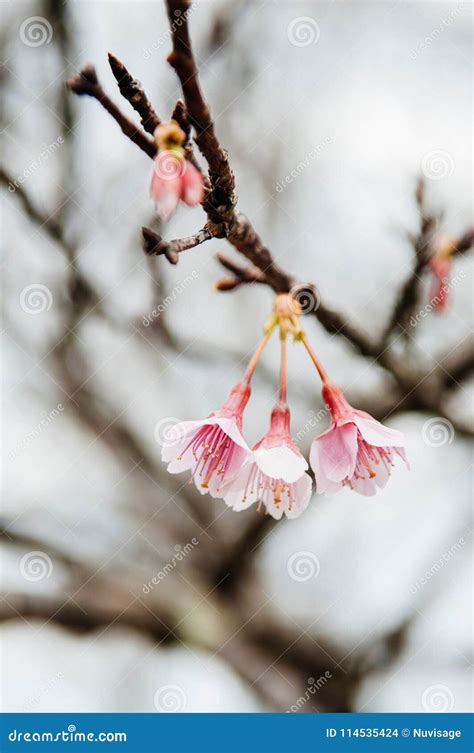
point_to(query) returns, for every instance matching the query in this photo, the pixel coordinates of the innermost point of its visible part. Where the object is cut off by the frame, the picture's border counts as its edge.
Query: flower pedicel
(275, 478)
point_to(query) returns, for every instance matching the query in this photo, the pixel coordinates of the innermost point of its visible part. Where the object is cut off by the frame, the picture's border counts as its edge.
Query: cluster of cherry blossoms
(356, 451)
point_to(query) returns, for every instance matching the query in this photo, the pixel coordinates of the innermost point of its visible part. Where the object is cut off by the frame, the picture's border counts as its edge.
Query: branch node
(154, 245)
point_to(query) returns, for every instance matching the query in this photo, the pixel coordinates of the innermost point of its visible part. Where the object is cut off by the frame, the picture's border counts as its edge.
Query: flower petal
(166, 204)
(376, 433)
(333, 455)
(238, 493)
(192, 191)
(365, 486)
(382, 474)
(302, 491)
(281, 462)
(230, 427)
(176, 438)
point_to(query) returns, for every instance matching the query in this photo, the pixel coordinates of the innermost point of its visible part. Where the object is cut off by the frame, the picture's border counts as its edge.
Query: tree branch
(88, 83)
(240, 275)
(222, 196)
(154, 245)
(409, 295)
(134, 93)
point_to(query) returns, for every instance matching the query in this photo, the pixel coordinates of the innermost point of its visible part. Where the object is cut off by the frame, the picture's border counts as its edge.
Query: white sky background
(376, 108)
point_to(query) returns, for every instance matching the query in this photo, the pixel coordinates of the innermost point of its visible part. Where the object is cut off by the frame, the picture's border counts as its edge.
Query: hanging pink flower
(212, 449)
(274, 476)
(356, 451)
(440, 267)
(174, 178)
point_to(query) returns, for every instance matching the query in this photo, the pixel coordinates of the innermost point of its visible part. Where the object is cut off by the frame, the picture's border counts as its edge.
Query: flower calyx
(170, 136)
(286, 313)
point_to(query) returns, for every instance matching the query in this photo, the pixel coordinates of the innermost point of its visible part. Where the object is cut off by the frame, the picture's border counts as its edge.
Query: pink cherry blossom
(356, 451)
(274, 476)
(440, 267)
(192, 189)
(213, 449)
(174, 178)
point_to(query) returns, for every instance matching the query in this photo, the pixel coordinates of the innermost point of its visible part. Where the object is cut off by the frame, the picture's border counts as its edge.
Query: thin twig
(410, 292)
(86, 82)
(134, 93)
(240, 275)
(154, 245)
